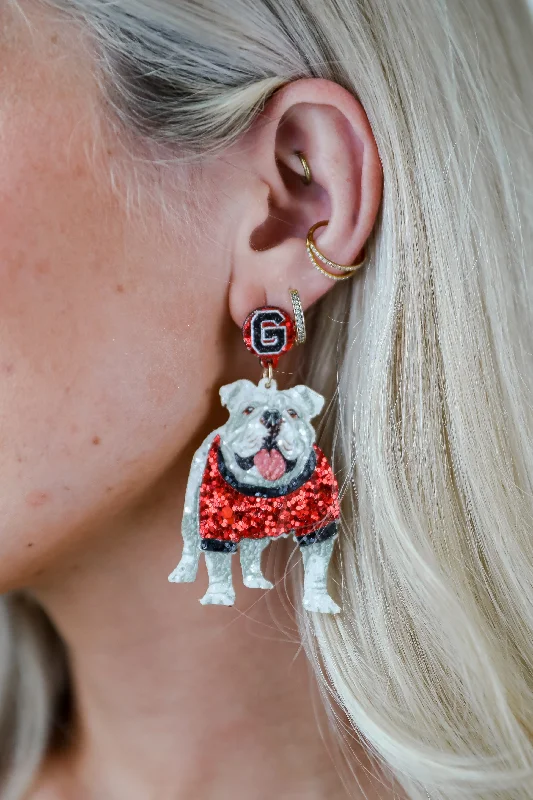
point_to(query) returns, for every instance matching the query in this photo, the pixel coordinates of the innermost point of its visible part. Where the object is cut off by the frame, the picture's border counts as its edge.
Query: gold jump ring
(268, 373)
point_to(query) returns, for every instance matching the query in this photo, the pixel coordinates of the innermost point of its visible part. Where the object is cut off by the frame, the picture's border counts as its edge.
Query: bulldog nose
(271, 419)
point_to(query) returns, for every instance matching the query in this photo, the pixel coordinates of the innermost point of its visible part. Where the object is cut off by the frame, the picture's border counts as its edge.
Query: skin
(118, 324)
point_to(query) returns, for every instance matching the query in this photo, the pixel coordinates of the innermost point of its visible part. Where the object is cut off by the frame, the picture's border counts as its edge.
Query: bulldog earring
(261, 476)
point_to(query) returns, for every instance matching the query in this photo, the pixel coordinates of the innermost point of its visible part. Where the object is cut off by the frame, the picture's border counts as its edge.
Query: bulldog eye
(248, 410)
(292, 413)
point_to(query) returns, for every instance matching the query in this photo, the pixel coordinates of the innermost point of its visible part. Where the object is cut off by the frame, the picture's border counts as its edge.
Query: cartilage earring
(306, 177)
(316, 257)
(261, 476)
(299, 319)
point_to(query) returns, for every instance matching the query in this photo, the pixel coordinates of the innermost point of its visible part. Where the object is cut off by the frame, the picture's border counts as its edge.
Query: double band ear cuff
(262, 477)
(315, 255)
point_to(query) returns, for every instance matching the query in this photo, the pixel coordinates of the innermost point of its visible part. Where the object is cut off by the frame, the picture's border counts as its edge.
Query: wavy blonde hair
(428, 355)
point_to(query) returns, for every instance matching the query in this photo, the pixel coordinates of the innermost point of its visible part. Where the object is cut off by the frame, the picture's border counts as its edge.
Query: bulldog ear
(232, 393)
(313, 401)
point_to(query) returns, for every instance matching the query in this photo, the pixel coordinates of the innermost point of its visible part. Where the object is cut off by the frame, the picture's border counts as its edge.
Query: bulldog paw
(226, 598)
(186, 571)
(321, 603)
(257, 582)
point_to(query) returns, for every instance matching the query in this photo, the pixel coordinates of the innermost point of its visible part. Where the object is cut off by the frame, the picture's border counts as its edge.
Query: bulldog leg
(316, 559)
(252, 574)
(220, 591)
(187, 568)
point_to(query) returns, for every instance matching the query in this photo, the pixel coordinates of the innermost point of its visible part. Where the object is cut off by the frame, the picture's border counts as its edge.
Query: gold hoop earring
(306, 177)
(315, 255)
(299, 318)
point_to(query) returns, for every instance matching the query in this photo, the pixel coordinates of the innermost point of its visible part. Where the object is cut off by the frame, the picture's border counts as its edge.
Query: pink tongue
(269, 464)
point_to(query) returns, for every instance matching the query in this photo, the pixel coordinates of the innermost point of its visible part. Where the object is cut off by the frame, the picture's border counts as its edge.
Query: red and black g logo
(268, 333)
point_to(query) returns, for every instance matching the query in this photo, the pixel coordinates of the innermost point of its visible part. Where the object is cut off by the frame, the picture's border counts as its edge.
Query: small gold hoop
(299, 318)
(268, 373)
(314, 254)
(306, 177)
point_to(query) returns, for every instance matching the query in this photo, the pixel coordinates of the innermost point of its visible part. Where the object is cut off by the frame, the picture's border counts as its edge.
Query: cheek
(290, 430)
(105, 368)
(240, 430)
(98, 395)
(95, 401)
(299, 436)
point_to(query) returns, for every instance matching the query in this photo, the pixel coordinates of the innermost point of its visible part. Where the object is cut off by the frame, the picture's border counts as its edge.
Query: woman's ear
(329, 126)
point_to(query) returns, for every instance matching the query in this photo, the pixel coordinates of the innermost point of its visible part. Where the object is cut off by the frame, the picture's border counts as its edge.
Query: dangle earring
(261, 476)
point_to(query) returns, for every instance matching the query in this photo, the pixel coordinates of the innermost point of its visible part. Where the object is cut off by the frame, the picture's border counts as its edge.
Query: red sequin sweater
(229, 515)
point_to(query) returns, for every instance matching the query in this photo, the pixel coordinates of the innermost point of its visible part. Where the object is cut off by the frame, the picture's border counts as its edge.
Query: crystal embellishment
(299, 318)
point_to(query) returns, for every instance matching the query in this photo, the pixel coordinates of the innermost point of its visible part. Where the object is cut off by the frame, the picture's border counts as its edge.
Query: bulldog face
(268, 437)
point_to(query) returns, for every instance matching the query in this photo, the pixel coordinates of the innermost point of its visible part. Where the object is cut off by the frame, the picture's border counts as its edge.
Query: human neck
(173, 699)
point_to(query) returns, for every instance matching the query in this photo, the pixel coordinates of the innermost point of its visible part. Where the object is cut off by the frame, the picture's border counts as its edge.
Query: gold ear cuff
(315, 255)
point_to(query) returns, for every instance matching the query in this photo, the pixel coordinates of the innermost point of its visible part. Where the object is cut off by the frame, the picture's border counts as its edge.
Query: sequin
(226, 514)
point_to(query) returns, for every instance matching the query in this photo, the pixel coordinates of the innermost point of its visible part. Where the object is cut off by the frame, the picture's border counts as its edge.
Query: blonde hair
(428, 355)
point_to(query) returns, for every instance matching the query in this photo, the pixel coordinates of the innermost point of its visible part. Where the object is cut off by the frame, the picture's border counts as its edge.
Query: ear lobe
(313, 401)
(231, 394)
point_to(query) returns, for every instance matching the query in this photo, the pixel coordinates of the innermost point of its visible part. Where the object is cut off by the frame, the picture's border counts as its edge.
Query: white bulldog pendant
(261, 477)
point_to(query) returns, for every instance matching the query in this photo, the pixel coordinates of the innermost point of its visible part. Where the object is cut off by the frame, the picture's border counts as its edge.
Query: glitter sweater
(229, 515)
